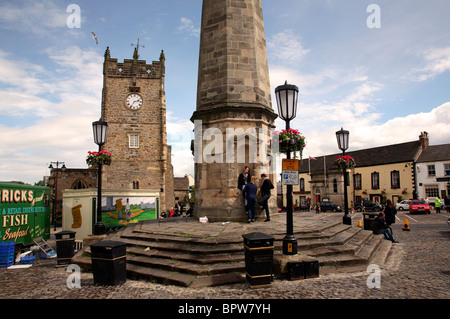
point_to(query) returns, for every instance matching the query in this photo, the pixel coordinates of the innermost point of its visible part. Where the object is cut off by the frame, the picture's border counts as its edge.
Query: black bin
(258, 259)
(368, 218)
(65, 247)
(109, 262)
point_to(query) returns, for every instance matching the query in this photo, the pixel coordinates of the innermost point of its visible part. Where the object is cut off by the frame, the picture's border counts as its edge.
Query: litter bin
(258, 259)
(65, 247)
(368, 218)
(109, 262)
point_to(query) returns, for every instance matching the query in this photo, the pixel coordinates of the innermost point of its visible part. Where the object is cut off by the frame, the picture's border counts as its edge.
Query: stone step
(182, 247)
(187, 267)
(135, 271)
(194, 258)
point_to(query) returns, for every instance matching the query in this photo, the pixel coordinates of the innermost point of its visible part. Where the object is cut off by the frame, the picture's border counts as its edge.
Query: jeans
(387, 232)
(251, 203)
(264, 203)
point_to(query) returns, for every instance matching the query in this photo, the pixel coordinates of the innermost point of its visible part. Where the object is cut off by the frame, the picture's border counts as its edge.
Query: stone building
(233, 105)
(134, 105)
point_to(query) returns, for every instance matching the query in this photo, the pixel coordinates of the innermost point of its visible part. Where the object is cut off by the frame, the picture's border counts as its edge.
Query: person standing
(447, 203)
(266, 186)
(389, 213)
(250, 194)
(243, 179)
(437, 205)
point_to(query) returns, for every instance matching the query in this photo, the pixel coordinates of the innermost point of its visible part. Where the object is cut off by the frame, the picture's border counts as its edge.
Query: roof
(435, 153)
(396, 153)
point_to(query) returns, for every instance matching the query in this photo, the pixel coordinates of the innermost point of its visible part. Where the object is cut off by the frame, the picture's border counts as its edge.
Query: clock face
(134, 101)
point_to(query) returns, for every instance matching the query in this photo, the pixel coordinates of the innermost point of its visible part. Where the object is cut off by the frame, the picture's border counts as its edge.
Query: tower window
(133, 140)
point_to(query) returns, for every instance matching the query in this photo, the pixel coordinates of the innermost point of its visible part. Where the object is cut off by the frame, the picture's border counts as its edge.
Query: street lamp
(55, 189)
(287, 96)
(342, 141)
(100, 129)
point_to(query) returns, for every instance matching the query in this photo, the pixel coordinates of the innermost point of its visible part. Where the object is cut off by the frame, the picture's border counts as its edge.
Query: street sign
(290, 164)
(289, 177)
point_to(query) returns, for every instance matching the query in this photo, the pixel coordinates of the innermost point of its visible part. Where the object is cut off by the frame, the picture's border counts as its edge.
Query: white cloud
(33, 17)
(187, 26)
(322, 141)
(436, 60)
(286, 47)
(59, 104)
(179, 136)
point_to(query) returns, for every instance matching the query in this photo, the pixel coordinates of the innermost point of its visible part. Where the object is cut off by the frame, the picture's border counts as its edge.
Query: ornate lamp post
(342, 140)
(55, 189)
(100, 129)
(287, 96)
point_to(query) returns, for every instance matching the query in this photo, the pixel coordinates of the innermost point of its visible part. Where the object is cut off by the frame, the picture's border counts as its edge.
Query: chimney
(423, 139)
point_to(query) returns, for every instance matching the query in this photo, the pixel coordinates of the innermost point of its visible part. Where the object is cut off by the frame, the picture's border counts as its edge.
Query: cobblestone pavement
(417, 267)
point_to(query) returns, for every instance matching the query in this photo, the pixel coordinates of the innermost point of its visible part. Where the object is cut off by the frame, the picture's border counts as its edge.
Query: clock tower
(134, 105)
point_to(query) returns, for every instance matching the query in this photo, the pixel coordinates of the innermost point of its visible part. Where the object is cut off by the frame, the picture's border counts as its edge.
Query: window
(431, 190)
(395, 179)
(375, 180)
(135, 184)
(447, 169)
(133, 140)
(431, 170)
(335, 186)
(357, 181)
(302, 184)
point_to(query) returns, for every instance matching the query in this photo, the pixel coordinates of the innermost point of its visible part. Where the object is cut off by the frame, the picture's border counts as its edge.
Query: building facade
(381, 173)
(433, 172)
(134, 105)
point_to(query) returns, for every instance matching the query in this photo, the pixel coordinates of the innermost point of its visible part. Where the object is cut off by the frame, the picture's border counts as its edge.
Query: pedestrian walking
(250, 194)
(317, 206)
(266, 186)
(437, 205)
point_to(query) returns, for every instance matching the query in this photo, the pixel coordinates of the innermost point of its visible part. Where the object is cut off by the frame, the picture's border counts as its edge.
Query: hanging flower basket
(345, 161)
(96, 158)
(291, 140)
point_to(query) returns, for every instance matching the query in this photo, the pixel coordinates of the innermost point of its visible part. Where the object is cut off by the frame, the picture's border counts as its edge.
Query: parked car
(325, 206)
(403, 205)
(368, 206)
(419, 206)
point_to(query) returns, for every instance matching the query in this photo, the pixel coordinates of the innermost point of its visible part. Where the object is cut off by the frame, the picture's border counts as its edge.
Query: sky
(380, 69)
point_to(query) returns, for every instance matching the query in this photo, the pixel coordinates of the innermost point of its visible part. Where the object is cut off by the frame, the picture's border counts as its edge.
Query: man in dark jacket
(244, 179)
(379, 227)
(266, 186)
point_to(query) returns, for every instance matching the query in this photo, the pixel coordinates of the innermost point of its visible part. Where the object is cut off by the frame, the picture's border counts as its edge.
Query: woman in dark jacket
(389, 213)
(250, 194)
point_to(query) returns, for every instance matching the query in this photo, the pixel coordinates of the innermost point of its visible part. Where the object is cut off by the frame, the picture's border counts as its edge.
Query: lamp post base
(290, 245)
(347, 220)
(99, 229)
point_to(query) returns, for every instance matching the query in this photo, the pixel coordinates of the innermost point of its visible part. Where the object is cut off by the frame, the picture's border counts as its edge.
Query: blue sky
(385, 85)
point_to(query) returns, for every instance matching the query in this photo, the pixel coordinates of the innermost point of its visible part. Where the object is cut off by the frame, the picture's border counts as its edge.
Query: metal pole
(289, 241)
(347, 220)
(99, 228)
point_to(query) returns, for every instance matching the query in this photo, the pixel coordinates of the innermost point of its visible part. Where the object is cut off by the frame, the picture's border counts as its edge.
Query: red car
(419, 206)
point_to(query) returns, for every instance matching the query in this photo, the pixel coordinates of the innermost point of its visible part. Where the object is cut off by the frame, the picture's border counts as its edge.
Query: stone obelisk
(234, 117)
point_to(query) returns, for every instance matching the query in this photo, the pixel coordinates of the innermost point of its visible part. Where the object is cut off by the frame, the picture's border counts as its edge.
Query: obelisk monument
(234, 117)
